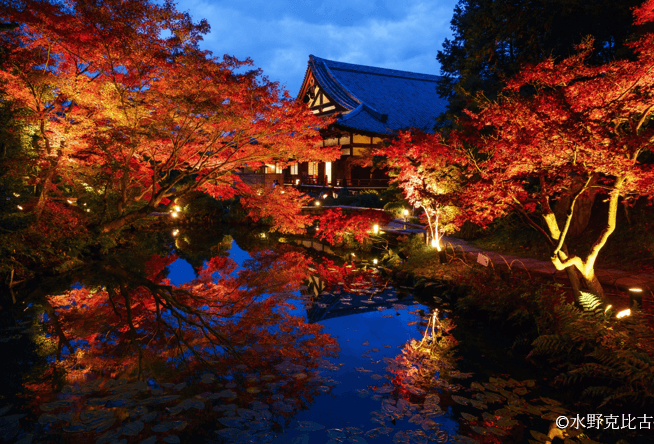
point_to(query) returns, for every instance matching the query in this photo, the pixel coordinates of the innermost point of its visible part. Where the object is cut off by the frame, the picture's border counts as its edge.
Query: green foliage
(364, 199)
(614, 356)
(607, 358)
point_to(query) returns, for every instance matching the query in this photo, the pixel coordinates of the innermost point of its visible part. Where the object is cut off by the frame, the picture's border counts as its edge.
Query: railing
(360, 183)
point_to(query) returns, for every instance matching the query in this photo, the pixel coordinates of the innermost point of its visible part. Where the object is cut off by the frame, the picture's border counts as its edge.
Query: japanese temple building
(371, 105)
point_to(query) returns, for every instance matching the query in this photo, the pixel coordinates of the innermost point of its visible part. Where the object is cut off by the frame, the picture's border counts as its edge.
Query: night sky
(279, 35)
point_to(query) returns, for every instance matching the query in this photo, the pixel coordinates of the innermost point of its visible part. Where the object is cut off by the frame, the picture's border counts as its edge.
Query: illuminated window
(313, 168)
(294, 170)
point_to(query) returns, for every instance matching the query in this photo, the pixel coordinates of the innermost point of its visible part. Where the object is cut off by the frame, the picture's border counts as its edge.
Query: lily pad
(469, 417)
(460, 400)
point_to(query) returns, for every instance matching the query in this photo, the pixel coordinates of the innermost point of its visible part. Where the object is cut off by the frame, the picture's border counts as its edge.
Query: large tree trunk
(582, 209)
(126, 219)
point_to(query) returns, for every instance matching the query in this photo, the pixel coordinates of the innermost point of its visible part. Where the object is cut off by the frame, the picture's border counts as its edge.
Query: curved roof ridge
(332, 85)
(343, 66)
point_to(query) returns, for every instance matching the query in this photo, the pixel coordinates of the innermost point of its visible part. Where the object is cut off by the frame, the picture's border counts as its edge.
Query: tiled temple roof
(379, 100)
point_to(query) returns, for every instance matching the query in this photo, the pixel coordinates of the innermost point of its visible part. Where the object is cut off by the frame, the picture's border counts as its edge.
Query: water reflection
(132, 357)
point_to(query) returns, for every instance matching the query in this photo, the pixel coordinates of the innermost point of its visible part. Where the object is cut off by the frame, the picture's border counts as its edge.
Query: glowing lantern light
(374, 261)
(175, 233)
(405, 212)
(317, 203)
(375, 228)
(623, 313)
(18, 195)
(174, 214)
(69, 201)
(608, 307)
(324, 196)
(19, 207)
(297, 181)
(177, 208)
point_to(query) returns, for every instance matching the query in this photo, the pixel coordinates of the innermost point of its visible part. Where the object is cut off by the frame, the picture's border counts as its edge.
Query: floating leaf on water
(366, 343)
(300, 376)
(538, 435)
(387, 316)
(507, 422)
(386, 346)
(488, 417)
(231, 422)
(50, 406)
(363, 393)
(258, 405)
(401, 438)
(480, 430)
(520, 391)
(225, 394)
(132, 428)
(477, 386)
(150, 440)
(47, 418)
(529, 383)
(384, 389)
(376, 377)
(208, 378)
(5, 409)
(460, 439)
(357, 440)
(428, 424)
(149, 416)
(496, 431)
(460, 400)
(308, 426)
(469, 417)
(478, 404)
(415, 390)
(172, 439)
(336, 433)
(75, 427)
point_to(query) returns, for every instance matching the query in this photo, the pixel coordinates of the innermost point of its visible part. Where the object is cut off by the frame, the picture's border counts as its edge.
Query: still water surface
(195, 339)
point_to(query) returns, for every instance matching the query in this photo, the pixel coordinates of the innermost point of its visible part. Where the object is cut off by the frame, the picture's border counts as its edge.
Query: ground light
(174, 214)
(375, 229)
(317, 203)
(175, 232)
(434, 244)
(374, 261)
(623, 313)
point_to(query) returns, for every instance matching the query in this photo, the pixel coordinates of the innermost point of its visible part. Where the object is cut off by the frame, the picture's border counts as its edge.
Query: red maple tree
(559, 132)
(126, 112)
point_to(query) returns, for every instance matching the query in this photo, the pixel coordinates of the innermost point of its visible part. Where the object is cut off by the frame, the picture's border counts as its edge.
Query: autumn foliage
(336, 227)
(561, 133)
(125, 112)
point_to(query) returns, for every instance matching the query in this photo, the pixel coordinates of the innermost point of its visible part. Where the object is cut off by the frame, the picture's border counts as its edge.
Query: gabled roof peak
(377, 100)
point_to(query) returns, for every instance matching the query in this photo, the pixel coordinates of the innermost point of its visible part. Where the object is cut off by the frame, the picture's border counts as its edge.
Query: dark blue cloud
(280, 35)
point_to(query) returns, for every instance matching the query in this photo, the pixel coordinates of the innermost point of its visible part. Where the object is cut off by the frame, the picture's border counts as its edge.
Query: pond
(237, 338)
